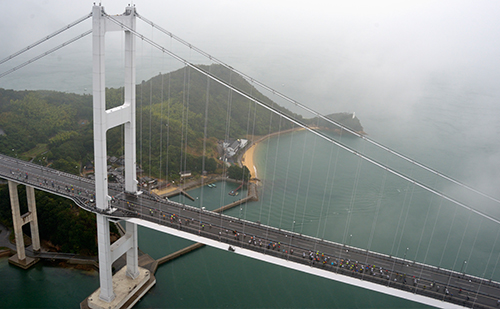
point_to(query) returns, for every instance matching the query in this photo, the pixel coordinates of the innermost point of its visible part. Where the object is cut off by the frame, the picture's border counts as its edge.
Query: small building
(232, 148)
(88, 167)
(185, 174)
(148, 181)
(243, 143)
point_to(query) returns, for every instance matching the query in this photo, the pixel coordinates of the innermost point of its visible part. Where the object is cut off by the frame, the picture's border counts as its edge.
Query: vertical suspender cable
(433, 230)
(273, 181)
(406, 219)
(285, 195)
(150, 168)
(309, 181)
(299, 186)
(339, 125)
(312, 130)
(183, 124)
(167, 163)
(161, 129)
(266, 162)
(186, 139)
(406, 190)
(207, 101)
(331, 188)
(250, 104)
(448, 237)
(328, 171)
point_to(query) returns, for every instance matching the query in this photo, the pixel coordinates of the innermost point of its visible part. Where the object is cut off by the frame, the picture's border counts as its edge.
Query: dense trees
(180, 118)
(238, 173)
(55, 129)
(65, 225)
(171, 116)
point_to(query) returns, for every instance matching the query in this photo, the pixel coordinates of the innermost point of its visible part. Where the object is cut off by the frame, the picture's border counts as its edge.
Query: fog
(408, 64)
(346, 54)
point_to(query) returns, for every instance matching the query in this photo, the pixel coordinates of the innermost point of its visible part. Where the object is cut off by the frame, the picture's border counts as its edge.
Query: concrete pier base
(26, 263)
(20, 259)
(127, 290)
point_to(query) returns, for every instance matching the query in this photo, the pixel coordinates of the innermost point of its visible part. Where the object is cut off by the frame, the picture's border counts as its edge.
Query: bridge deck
(391, 272)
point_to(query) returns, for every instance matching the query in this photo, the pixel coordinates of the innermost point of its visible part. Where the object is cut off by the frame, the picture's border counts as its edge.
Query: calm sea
(315, 188)
(312, 187)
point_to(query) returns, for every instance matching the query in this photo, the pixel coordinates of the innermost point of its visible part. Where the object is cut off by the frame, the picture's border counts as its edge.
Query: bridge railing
(123, 207)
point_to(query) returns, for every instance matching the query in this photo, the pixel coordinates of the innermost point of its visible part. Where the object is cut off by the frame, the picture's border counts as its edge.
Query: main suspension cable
(317, 114)
(45, 53)
(303, 125)
(48, 37)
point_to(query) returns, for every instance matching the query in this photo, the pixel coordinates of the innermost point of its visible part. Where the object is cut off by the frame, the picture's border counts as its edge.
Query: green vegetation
(65, 225)
(238, 173)
(56, 128)
(35, 152)
(171, 112)
(53, 128)
(46, 126)
(349, 120)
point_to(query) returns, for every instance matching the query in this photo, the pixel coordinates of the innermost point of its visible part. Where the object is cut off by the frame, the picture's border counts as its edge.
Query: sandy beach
(248, 156)
(248, 160)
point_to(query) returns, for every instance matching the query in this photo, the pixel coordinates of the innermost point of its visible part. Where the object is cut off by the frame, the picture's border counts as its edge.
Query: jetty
(251, 196)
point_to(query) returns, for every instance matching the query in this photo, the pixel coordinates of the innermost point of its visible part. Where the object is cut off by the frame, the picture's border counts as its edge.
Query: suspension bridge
(362, 267)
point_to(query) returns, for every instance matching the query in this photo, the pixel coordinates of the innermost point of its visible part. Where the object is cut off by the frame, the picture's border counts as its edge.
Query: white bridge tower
(131, 276)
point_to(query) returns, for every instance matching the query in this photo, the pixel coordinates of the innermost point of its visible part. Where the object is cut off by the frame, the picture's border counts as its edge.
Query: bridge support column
(105, 263)
(131, 282)
(132, 253)
(128, 284)
(110, 253)
(35, 237)
(18, 220)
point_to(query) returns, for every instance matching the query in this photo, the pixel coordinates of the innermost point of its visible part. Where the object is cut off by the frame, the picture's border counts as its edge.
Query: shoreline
(248, 156)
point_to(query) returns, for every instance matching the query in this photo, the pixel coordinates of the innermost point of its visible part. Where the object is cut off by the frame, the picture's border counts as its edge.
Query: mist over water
(423, 80)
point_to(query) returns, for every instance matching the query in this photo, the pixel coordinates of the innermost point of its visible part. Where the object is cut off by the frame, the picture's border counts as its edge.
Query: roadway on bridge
(393, 272)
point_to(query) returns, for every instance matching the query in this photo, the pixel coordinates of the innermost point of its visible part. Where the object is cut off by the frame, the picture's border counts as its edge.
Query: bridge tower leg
(20, 259)
(105, 119)
(35, 237)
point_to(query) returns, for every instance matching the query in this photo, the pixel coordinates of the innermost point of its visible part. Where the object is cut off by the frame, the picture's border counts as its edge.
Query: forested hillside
(174, 112)
(172, 109)
(54, 128)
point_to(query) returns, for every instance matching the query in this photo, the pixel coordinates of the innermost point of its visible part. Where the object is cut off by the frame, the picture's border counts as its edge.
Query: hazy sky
(363, 56)
(345, 51)
(403, 66)
(423, 76)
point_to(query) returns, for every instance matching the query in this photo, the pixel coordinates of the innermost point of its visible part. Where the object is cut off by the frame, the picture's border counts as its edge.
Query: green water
(329, 194)
(44, 286)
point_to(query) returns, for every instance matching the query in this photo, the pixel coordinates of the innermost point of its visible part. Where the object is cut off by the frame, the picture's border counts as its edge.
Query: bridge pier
(128, 284)
(20, 259)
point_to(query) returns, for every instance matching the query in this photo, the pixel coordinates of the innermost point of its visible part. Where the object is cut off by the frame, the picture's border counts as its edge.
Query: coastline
(248, 157)
(248, 160)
